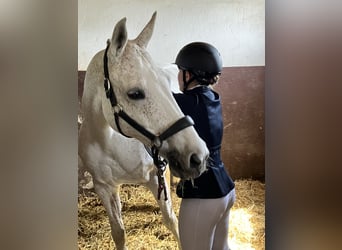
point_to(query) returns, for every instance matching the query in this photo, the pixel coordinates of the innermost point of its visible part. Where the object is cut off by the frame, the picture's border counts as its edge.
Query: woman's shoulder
(183, 97)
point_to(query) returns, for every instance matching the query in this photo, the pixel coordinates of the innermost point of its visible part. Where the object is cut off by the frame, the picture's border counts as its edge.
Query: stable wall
(243, 144)
(235, 27)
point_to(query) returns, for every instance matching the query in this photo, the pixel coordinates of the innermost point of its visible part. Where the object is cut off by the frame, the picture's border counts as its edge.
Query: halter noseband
(156, 140)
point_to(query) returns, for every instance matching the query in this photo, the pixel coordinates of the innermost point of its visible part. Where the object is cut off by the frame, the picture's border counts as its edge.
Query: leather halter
(156, 140)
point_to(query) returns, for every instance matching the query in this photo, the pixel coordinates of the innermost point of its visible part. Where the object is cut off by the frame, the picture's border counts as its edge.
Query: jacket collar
(204, 90)
(197, 89)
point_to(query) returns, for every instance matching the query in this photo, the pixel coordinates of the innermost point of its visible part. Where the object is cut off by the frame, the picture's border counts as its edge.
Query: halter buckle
(106, 85)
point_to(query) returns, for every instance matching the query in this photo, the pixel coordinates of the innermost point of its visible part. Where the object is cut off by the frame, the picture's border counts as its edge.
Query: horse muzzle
(192, 167)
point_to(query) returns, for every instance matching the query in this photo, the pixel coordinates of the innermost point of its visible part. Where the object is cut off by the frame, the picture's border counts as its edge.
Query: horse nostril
(195, 161)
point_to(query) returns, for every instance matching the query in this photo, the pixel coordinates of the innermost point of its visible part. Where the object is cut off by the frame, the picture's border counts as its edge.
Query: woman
(206, 200)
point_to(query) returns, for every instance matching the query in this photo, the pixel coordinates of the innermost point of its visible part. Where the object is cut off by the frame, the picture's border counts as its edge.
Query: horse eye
(136, 94)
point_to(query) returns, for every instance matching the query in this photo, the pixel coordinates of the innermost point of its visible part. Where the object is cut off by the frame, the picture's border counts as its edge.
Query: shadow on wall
(242, 95)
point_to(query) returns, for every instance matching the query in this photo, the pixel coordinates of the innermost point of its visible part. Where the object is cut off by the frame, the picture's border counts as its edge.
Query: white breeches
(204, 223)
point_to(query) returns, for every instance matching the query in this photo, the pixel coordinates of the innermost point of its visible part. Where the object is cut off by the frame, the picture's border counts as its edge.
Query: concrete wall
(235, 27)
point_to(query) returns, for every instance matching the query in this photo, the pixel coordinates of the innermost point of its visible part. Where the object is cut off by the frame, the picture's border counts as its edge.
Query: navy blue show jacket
(204, 106)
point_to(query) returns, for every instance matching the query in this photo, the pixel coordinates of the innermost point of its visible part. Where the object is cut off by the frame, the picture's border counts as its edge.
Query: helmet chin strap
(185, 82)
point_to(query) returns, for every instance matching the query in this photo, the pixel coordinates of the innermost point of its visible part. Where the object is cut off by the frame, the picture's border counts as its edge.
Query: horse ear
(145, 35)
(119, 38)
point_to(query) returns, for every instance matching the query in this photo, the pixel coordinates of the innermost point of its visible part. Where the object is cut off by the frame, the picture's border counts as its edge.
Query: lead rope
(161, 167)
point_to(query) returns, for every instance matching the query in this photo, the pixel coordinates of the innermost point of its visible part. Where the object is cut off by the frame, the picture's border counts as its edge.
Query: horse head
(142, 92)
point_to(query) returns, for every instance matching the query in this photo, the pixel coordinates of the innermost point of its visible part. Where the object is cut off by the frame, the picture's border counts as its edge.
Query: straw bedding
(143, 220)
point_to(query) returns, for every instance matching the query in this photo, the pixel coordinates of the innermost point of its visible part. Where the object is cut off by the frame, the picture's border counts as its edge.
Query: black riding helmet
(201, 59)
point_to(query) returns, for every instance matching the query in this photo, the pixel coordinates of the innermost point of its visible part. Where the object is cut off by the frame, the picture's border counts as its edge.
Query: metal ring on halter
(117, 108)
(157, 142)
